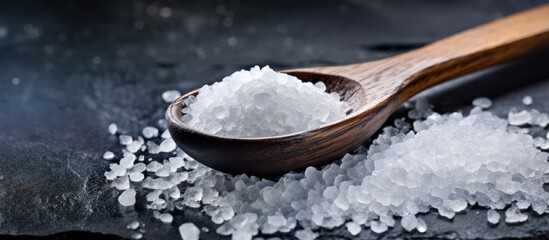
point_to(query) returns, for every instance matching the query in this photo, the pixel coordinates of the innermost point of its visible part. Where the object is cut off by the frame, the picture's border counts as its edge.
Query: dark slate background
(82, 65)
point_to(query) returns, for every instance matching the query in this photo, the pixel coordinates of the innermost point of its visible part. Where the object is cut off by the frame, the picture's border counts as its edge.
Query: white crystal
(137, 177)
(166, 218)
(149, 132)
(493, 216)
(520, 118)
(137, 235)
(444, 163)
(167, 145)
(482, 102)
(133, 225)
(189, 231)
(121, 183)
(513, 215)
(353, 228)
(108, 155)
(125, 139)
(113, 128)
(378, 227)
(527, 100)
(261, 102)
(421, 225)
(127, 198)
(409, 222)
(134, 146)
(170, 96)
(306, 234)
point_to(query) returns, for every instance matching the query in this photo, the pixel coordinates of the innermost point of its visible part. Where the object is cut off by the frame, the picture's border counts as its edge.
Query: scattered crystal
(306, 234)
(189, 231)
(137, 177)
(127, 198)
(150, 132)
(521, 118)
(133, 225)
(113, 128)
(137, 235)
(353, 228)
(125, 139)
(482, 102)
(121, 183)
(378, 227)
(527, 100)
(493, 216)
(167, 145)
(170, 96)
(108, 155)
(513, 215)
(166, 218)
(407, 171)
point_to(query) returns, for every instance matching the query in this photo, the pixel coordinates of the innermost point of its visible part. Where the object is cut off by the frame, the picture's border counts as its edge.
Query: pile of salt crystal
(261, 102)
(409, 169)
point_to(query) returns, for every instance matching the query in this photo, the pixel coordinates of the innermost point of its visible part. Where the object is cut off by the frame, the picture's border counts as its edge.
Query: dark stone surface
(83, 65)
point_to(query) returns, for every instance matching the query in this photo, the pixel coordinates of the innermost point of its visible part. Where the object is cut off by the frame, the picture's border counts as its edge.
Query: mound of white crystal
(441, 162)
(448, 163)
(261, 102)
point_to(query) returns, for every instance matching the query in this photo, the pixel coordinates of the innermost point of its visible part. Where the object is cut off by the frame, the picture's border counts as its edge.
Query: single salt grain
(513, 215)
(527, 100)
(128, 160)
(121, 183)
(137, 177)
(421, 225)
(306, 234)
(276, 221)
(125, 139)
(108, 155)
(150, 132)
(482, 102)
(113, 128)
(353, 228)
(137, 235)
(409, 222)
(133, 225)
(166, 134)
(519, 118)
(378, 227)
(166, 218)
(127, 198)
(493, 216)
(189, 231)
(170, 96)
(134, 146)
(167, 145)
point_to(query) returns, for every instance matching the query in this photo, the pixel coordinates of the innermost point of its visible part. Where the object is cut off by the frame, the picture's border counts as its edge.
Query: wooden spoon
(374, 89)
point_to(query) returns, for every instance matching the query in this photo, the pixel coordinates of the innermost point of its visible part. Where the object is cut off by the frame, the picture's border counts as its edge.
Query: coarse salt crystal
(170, 96)
(108, 155)
(189, 231)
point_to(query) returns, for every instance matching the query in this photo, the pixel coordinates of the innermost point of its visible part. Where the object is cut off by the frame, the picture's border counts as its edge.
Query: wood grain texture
(374, 89)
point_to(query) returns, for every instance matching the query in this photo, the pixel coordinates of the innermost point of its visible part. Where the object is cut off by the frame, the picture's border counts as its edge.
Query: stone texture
(83, 66)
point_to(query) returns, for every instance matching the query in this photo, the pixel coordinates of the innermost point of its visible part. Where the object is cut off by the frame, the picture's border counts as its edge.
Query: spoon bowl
(374, 90)
(269, 156)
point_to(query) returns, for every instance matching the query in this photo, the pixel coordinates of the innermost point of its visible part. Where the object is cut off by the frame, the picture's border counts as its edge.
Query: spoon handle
(469, 51)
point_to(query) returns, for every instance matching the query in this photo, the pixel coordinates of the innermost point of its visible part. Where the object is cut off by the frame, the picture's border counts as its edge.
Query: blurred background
(70, 68)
